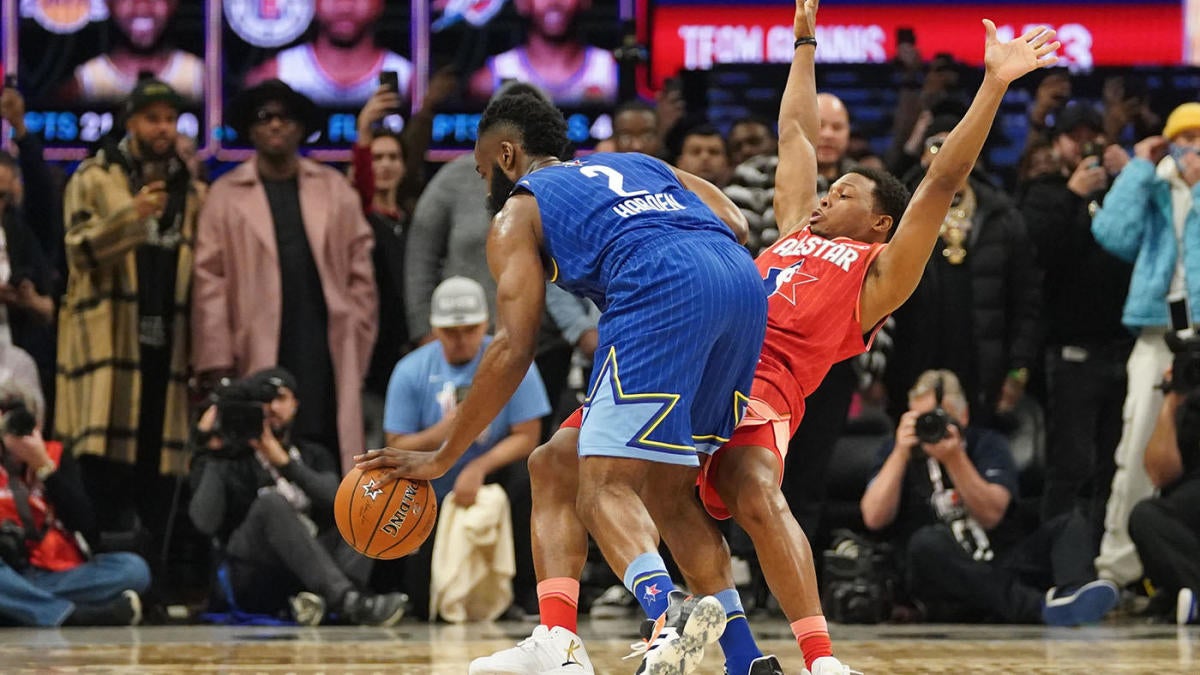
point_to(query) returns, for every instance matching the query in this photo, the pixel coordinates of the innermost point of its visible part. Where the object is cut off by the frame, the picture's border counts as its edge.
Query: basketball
(384, 521)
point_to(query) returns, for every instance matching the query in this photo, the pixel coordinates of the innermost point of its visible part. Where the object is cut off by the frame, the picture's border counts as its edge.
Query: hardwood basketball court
(421, 649)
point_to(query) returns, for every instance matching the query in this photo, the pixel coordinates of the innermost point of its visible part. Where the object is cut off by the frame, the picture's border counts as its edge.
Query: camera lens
(932, 426)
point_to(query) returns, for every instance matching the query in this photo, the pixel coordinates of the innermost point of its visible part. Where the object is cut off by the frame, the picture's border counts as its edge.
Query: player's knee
(757, 503)
(554, 462)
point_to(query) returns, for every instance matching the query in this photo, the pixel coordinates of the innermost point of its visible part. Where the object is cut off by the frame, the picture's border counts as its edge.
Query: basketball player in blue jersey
(684, 318)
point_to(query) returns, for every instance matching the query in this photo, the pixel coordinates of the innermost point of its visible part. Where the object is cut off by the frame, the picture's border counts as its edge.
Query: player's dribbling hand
(1008, 61)
(402, 463)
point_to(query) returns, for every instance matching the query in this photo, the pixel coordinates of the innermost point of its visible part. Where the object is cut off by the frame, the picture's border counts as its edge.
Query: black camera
(240, 409)
(859, 584)
(932, 427)
(14, 551)
(17, 420)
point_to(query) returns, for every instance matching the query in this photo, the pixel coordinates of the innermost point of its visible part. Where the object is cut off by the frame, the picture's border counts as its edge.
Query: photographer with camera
(1151, 219)
(1166, 529)
(268, 503)
(941, 494)
(48, 576)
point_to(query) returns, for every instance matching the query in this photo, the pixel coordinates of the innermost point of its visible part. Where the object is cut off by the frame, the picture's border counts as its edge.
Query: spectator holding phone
(389, 176)
(1150, 218)
(1084, 288)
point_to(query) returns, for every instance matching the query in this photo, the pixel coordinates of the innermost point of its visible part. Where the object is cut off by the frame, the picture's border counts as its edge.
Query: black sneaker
(766, 665)
(374, 610)
(124, 610)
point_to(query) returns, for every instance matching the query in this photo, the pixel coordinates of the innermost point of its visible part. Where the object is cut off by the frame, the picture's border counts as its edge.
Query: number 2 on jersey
(616, 181)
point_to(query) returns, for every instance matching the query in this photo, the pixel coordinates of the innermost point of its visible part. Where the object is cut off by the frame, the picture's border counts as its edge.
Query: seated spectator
(751, 137)
(702, 151)
(1166, 529)
(635, 129)
(47, 576)
(941, 492)
(423, 394)
(268, 503)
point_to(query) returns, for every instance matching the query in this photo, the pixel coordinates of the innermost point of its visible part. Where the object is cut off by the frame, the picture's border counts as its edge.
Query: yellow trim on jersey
(610, 362)
(554, 276)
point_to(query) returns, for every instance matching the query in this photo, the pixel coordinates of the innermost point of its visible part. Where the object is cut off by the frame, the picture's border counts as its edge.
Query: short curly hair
(890, 195)
(541, 126)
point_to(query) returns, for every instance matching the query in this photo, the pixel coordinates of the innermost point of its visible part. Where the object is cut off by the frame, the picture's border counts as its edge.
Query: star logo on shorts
(371, 489)
(651, 592)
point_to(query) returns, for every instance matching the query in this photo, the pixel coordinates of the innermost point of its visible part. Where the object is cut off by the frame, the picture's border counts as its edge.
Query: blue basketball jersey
(597, 210)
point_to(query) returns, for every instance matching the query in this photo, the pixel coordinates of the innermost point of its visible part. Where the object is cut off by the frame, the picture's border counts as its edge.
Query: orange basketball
(384, 521)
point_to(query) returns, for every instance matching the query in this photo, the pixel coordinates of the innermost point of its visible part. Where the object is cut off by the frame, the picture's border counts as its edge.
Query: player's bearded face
(499, 187)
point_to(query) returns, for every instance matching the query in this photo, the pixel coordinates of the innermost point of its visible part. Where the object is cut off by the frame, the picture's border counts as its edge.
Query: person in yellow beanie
(1149, 218)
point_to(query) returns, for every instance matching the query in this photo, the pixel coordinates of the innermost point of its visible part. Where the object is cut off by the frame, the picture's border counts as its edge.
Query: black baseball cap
(152, 90)
(1074, 115)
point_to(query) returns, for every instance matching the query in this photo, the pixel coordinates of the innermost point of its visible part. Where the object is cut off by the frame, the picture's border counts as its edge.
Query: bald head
(834, 136)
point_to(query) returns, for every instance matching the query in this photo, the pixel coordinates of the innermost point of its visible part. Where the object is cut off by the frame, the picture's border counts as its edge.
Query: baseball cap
(151, 90)
(1186, 116)
(458, 301)
(1075, 115)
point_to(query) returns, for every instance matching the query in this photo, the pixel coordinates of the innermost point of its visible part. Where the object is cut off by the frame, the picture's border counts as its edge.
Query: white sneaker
(549, 651)
(674, 644)
(1185, 607)
(307, 608)
(827, 665)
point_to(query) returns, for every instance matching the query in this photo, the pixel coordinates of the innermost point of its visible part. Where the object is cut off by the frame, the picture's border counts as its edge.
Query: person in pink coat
(283, 272)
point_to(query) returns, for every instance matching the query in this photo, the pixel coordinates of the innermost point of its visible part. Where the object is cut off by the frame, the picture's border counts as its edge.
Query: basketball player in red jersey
(831, 280)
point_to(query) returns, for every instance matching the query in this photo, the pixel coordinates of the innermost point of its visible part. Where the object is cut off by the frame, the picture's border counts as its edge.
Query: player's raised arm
(895, 273)
(716, 200)
(514, 257)
(796, 175)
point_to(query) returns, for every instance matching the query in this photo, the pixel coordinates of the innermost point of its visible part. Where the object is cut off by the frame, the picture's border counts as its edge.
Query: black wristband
(800, 42)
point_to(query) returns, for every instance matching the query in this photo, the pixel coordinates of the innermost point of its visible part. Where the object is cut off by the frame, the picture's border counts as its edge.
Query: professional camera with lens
(1185, 367)
(17, 420)
(240, 409)
(859, 583)
(932, 427)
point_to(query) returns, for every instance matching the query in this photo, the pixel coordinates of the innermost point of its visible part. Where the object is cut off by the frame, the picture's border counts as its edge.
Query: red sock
(558, 602)
(813, 635)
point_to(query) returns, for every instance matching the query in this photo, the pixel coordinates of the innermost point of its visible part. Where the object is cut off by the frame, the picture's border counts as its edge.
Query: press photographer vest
(57, 550)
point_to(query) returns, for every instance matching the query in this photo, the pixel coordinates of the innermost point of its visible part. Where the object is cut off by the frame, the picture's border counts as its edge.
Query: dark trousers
(812, 446)
(1084, 401)
(1166, 531)
(412, 574)
(554, 365)
(273, 554)
(1012, 586)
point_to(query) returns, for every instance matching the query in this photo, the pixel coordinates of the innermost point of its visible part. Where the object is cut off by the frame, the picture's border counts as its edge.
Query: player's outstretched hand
(1010, 60)
(402, 463)
(805, 23)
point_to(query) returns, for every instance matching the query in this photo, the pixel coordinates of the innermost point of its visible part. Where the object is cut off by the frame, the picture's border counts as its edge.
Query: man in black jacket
(1086, 345)
(977, 310)
(269, 505)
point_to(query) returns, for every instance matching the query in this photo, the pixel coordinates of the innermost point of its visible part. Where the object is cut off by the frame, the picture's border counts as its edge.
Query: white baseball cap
(458, 301)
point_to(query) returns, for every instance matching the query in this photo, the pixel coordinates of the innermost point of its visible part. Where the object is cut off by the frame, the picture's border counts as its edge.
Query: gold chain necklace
(957, 225)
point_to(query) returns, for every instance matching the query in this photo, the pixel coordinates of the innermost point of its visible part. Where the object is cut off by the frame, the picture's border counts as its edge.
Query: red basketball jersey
(813, 284)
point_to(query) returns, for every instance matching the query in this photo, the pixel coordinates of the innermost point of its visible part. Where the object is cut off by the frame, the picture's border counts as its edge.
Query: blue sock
(737, 642)
(647, 578)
